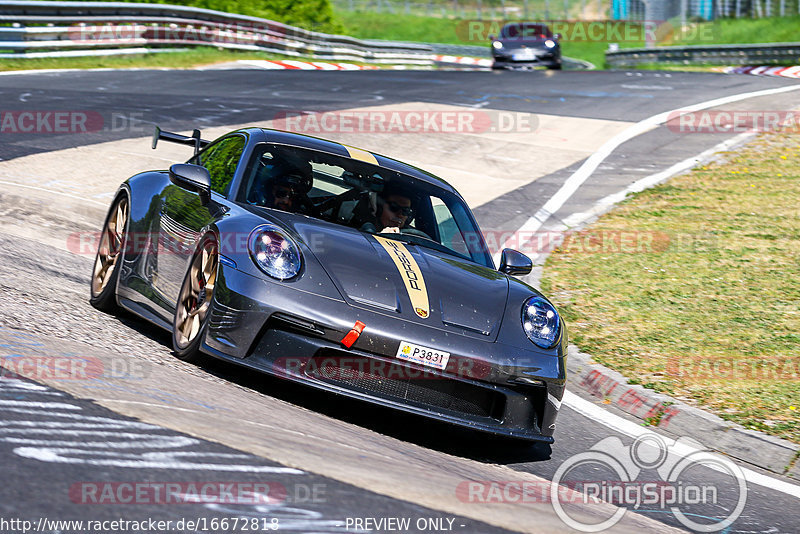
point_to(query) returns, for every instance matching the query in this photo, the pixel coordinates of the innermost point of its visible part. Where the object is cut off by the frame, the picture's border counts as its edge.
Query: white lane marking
(590, 165)
(634, 430)
(53, 191)
(649, 181)
(15, 383)
(59, 71)
(106, 423)
(149, 460)
(32, 404)
(141, 442)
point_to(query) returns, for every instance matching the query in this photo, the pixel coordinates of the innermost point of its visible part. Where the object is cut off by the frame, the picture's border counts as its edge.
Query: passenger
(394, 210)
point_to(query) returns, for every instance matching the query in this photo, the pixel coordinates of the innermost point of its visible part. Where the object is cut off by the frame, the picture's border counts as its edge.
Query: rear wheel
(107, 263)
(194, 300)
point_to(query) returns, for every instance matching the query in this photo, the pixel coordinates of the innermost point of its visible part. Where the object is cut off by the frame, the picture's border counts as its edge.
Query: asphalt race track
(309, 462)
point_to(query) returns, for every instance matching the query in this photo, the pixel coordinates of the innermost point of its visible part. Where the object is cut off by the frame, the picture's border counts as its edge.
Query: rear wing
(194, 140)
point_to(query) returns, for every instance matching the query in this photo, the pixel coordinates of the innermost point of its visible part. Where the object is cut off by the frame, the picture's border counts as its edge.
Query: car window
(525, 31)
(449, 231)
(364, 197)
(221, 160)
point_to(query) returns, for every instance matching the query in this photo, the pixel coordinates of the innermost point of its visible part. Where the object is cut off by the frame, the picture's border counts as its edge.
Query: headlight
(540, 322)
(550, 43)
(274, 252)
(497, 45)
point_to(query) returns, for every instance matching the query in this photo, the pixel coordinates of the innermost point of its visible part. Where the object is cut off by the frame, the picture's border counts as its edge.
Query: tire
(107, 264)
(557, 66)
(193, 309)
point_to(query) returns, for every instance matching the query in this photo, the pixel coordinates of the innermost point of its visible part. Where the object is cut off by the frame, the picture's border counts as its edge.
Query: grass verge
(692, 288)
(176, 60)
(742, 31)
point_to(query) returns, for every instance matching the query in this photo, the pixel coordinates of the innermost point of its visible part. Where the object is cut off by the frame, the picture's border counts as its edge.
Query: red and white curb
(290, 64)
(784, 72)
(461, 60)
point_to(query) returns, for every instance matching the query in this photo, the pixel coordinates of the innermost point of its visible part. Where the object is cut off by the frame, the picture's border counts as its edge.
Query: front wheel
(107, 263)
(194, 300)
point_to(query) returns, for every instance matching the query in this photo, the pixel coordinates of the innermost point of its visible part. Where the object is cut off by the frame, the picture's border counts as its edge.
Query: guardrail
(739, 54)
(52, 29)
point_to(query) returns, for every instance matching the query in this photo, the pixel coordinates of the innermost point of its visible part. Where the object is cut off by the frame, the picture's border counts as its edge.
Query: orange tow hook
(353, 334)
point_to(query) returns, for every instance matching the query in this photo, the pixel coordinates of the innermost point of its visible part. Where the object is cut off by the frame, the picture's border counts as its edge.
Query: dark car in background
(526, 45)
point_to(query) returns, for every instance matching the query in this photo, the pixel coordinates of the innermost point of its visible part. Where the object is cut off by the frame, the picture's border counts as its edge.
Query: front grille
(398, 382)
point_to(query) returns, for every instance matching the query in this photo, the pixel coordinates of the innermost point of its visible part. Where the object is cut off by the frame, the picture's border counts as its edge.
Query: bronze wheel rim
(111, 243)
(196, 294)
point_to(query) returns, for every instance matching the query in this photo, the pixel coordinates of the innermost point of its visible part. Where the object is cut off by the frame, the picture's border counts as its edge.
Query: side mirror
(491, 37)
(192, 178)
(557, 37)
(515, 263)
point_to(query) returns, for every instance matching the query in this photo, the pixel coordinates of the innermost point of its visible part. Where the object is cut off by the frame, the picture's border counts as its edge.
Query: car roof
(346, 151)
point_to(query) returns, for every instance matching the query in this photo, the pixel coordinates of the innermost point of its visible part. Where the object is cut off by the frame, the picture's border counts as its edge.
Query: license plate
(525, 54)
(423, 355)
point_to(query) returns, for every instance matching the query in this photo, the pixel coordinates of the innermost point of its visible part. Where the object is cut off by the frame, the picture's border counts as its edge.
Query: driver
(283, 193)
(287, 191)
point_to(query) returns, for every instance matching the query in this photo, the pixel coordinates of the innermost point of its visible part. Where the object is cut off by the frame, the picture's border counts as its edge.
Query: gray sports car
(337, 268)
(526, 45)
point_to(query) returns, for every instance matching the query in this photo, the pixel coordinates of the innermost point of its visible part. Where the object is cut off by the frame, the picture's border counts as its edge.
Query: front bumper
(507, 61)
(486, 386)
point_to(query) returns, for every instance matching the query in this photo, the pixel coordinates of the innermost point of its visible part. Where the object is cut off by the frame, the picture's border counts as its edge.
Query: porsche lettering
(412, 275)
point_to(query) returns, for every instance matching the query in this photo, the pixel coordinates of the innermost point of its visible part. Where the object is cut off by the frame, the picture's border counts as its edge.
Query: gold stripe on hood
(361, 155)
(411, 274)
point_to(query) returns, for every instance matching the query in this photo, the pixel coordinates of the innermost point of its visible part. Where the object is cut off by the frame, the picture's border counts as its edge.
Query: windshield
(362, 196)
(525, 31)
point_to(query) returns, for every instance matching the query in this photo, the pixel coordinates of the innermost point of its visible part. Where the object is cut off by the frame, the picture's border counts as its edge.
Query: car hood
(462, 296)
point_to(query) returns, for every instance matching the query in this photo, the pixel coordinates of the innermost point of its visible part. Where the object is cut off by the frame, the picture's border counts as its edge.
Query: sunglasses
(282, 193)
(406, 211)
